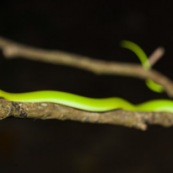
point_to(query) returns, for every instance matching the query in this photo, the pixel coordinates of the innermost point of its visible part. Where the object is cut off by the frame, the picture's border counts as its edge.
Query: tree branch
(138, 120)
(12, 50)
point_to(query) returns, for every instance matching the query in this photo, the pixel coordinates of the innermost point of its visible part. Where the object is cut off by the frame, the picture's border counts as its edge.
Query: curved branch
(12, 49)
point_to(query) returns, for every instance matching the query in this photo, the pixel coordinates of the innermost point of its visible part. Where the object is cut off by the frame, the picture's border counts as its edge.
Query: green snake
(93, 104)
(86, 103)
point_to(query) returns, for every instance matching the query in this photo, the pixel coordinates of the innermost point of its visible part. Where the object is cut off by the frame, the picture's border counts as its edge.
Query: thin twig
(12, 50)
(156, 55)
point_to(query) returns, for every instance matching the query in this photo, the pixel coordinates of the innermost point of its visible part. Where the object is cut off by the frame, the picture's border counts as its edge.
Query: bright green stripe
(88, 104)
(144, 61)
(138, 51)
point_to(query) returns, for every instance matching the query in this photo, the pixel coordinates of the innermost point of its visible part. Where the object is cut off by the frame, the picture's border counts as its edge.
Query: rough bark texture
(138, 120)
(44, 111)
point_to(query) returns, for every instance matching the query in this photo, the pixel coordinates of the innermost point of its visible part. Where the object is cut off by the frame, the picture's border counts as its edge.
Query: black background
(93, 28)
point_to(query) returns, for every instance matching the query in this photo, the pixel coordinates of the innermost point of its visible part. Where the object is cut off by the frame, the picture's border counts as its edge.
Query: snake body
(97, 104)
(88, 104)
